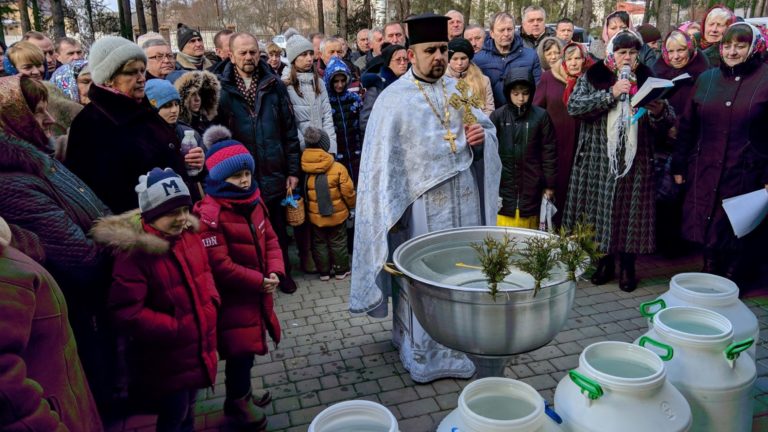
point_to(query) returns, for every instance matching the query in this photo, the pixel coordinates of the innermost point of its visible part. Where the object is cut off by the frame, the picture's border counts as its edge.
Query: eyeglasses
(161, 57)
(400, 60)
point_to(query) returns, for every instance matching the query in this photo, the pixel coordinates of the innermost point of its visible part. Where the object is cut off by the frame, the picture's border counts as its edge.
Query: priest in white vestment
(422, 170)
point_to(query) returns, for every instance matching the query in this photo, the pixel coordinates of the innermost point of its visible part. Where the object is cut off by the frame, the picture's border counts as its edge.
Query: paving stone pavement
(328, 356)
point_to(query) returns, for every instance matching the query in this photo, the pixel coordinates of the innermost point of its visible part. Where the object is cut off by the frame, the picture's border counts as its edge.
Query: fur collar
(124, 233)
(17, 155)
(206, 85)
(603, 78)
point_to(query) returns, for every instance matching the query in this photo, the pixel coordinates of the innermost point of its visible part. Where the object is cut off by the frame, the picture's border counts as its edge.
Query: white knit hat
(109, 54)
(296, 45)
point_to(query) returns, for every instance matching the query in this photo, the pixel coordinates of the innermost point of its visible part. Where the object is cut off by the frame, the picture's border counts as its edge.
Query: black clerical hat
(427, 27)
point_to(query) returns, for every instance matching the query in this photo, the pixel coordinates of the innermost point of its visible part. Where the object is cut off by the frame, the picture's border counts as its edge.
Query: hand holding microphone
(622, 86)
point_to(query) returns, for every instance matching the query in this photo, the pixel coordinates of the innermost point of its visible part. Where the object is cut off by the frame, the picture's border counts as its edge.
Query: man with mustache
(420, 175)
(254, 105)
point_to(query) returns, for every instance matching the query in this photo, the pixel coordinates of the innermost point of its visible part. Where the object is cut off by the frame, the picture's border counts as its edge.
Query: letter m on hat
(170, 187)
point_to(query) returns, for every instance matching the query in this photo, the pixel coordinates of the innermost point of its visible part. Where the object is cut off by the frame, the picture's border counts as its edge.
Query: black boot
(605, 272)
(628, 279)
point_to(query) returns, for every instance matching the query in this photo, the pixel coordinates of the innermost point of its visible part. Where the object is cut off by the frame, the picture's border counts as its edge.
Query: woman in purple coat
(552, 94)
(722, 148)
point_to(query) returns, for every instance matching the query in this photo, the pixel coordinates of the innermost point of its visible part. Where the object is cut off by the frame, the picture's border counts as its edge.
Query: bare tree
(649, 4)
(57, 16)
(153, 15)
(141, 20)
(341, 18)
(320, 17)
(126, 26)
(664, 16)
(26, 25)
(38, 19)
(466, 9)
(584, 18)
(480, 13)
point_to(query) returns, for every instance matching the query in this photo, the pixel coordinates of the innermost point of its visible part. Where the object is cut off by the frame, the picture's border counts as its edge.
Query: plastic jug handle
(548, 410)
(645, 308)
(588, 386)
(670, 352)
(735, 349)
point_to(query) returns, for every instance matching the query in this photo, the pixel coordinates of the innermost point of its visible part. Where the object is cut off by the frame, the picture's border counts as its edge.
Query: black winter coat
(267, 129)
(114, 140)
(528, 151)
(722, 149)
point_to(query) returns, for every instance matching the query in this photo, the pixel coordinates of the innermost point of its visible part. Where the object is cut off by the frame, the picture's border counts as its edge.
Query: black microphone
(625, 70)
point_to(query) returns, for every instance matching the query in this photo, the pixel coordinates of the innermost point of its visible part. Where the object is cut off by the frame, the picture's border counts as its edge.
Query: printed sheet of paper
(746, 211)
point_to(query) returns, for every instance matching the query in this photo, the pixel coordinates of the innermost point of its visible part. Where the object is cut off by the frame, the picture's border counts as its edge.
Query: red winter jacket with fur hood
(164, 298)
(243, 249)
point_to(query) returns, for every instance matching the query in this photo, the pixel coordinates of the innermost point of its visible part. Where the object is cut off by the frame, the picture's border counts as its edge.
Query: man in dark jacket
(528, 151)
(504, 51)
(255, 106)
(534, 28)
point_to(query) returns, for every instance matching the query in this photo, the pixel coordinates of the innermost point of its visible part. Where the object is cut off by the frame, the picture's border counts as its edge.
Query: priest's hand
(195, 158)
(291, 182)
(475, 134)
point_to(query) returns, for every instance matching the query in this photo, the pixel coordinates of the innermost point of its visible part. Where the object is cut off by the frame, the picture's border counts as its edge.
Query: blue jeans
(176, 412)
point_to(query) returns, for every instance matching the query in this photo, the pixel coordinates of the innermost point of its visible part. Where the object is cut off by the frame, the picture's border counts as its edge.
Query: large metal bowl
(454, 305)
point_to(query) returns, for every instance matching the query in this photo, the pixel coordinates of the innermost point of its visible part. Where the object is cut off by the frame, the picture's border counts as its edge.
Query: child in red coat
(163, 297)
(247, 264)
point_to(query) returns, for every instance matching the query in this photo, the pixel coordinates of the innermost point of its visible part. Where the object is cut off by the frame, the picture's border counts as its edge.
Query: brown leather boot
(244, 412)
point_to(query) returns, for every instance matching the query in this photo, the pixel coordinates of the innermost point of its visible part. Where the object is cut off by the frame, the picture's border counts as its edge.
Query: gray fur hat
(316, 138)
(109, 54)
(296, 45)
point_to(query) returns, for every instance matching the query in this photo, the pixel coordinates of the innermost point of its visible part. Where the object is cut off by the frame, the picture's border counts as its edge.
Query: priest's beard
(431, 73)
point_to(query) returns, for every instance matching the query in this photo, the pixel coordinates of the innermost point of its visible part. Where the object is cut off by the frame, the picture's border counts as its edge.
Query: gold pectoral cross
(451, 138)
(464, 102)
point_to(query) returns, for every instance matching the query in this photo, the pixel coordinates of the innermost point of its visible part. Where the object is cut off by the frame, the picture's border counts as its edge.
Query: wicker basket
(295, 215)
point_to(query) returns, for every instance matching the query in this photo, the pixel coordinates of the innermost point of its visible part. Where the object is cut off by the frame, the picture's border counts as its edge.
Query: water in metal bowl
(453, 303)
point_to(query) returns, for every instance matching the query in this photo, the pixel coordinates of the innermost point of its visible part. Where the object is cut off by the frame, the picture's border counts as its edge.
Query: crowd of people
(150, 197)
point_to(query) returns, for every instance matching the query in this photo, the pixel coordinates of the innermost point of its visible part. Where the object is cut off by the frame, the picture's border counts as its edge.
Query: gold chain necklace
(449, 136)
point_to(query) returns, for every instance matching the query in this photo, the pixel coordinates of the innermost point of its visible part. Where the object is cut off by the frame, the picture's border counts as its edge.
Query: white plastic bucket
(499, 405)
(354, 416)
(707, 367)
(620, 387)
(711, 292)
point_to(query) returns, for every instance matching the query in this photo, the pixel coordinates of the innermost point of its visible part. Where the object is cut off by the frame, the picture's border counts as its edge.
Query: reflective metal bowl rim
(410, 275)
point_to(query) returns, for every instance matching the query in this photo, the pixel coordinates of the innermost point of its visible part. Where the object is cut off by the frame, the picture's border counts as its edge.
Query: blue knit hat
(161, 191)
(160, 92)
(225, 156)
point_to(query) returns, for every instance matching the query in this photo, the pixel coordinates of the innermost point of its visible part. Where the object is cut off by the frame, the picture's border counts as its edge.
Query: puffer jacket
(311, 109)
(44, 388)
(346, 108)
(316, 162)
(374, 83)
(497, 66)
(267, 129)
(243, 249)
(164, 298)
(528, 150)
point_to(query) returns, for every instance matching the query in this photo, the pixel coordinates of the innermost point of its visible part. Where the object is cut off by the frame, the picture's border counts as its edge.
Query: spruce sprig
(495, 258)
(538, 258)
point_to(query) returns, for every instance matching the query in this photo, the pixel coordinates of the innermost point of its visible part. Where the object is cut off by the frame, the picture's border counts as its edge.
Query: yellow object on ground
(517, 221)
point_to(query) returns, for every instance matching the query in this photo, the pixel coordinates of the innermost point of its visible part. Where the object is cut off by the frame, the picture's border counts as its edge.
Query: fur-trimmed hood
(17, 155)
(125, 233)
(204, 84)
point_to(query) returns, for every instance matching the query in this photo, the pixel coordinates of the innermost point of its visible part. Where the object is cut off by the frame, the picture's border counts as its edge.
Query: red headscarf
(16, 118)
(570, 80)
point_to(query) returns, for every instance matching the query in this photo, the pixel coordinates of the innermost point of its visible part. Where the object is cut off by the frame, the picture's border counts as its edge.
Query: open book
(656, 88)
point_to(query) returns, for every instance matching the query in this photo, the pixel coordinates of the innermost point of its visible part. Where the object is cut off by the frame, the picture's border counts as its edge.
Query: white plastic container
(620, 387)
(499, 405)
(354, 416)
(706, 366)
(711, 292)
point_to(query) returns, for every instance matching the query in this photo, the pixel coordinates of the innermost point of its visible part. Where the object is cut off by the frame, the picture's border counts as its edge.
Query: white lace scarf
(622, 139)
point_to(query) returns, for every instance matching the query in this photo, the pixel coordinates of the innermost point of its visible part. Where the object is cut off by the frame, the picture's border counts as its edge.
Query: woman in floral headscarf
(715, 22)
(612, 180)
(614, 23)
(552, 94)
(723, 148)
(74, 79)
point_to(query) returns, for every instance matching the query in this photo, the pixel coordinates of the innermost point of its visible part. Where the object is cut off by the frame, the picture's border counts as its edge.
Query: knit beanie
(160, 92)
(109, 54)
(161, 191)
(649, 33)
(460, 45)
(184, 34)
(296, 45)
(225, 156)
(316, 138)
